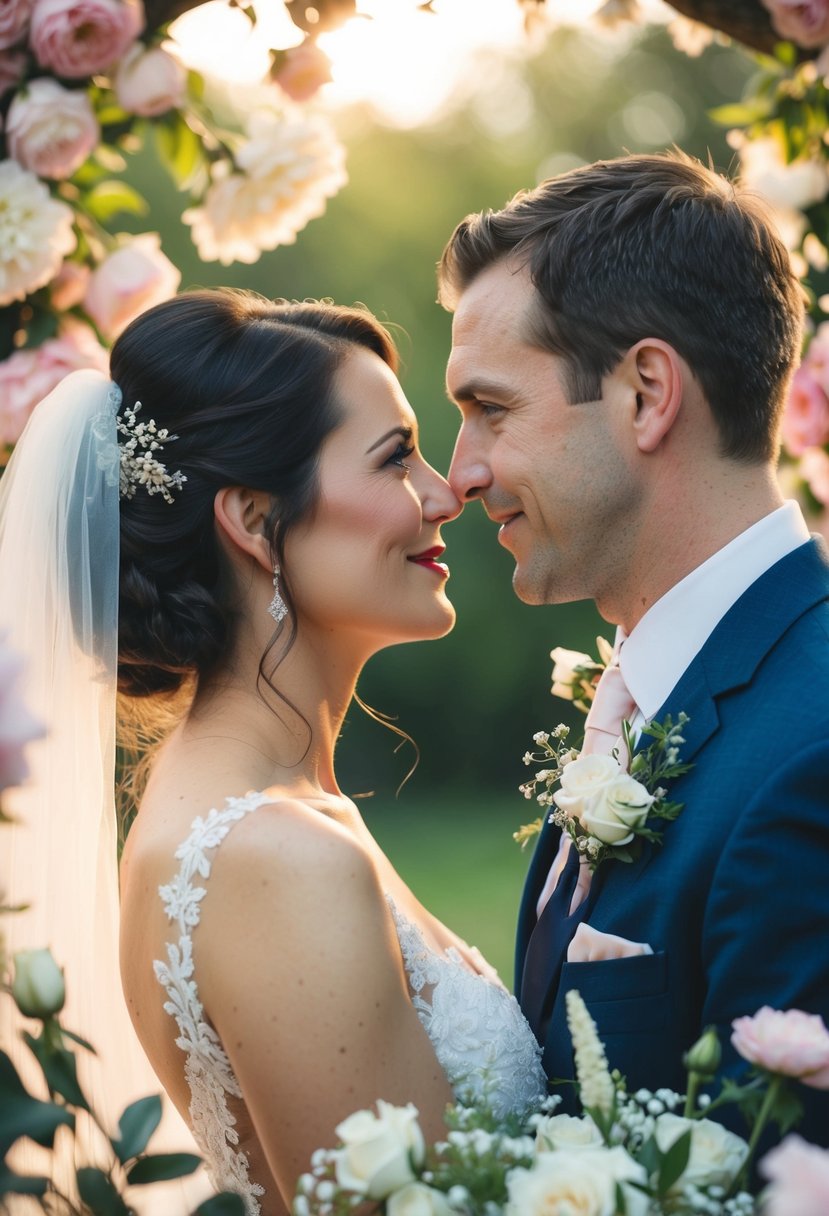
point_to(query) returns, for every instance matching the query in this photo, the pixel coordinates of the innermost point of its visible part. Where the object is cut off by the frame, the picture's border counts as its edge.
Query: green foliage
(21, 1114)
(137, 1124)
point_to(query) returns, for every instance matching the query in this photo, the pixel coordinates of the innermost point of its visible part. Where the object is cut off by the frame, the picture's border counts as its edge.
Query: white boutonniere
(606, 804)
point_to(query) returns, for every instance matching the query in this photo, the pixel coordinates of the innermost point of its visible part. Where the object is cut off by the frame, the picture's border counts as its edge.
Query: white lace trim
(481, 1038)
(207, 1067)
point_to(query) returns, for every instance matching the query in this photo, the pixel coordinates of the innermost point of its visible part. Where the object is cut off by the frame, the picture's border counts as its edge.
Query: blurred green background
(473, 700)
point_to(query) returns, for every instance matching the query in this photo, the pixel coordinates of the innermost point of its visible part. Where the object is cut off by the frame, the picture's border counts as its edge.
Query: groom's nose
(469, 473)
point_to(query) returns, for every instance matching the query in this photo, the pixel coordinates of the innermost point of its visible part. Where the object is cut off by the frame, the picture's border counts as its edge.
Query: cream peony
(578, 1184)
(605, 800)
(790, 1043)
(28, 375)
(35, 233)
(17, 726)
(717, 1155)
(128, 282)
(150, 81)
(799, 1176)
(289, 167)
(416, 1199)
(77, 38)
(14, 21)
(51, 130)
(379, 1150)
(566, 1132)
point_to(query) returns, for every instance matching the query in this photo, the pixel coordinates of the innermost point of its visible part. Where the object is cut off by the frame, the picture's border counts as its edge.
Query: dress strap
(208, 1070)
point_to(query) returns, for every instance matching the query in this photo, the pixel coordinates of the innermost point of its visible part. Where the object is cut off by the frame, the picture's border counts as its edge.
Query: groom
(623, 342)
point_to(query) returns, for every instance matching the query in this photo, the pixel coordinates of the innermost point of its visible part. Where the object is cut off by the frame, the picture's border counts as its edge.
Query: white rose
(620, 807)
(379, 1150)
(51, 130)
(38, 987)
(566, 1132)
(583, 780)
(716, 1153)
(580, 1184)
(416, 1199)
(565, 663)
(149, 81)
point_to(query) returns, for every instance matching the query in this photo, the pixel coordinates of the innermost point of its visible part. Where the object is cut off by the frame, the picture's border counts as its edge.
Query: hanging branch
(744, 20)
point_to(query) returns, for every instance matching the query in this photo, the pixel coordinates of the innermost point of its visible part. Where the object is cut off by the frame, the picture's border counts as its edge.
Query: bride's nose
(439, 501)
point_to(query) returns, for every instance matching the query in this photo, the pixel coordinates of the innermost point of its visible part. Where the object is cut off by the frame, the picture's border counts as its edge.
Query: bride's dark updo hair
(247, 385)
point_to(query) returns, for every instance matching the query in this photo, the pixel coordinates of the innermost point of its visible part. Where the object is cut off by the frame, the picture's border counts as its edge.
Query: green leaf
(111, 114)
(76, 1038)
(674, 1162)
(162, 1167)
(180, 149)
(98, 1192)
(23, 1115)
(137, 1124)
(741, 113)
(59, 1068)
(111, 198)
(20, 1184)
(225, 1204)
(649, 1156)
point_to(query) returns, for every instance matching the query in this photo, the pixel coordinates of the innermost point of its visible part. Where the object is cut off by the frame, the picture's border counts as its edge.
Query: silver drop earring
(277, 607)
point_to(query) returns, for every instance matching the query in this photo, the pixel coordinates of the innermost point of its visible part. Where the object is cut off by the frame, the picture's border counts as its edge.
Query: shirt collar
(673, 631)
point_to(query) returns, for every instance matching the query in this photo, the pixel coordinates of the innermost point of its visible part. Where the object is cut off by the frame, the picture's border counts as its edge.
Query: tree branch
(745, 20)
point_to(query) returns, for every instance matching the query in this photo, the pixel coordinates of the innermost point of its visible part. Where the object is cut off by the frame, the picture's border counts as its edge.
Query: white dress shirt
(673, 631)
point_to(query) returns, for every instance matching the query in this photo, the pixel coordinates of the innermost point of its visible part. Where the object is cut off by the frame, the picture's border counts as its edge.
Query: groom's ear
(240, 517)
(655, 372)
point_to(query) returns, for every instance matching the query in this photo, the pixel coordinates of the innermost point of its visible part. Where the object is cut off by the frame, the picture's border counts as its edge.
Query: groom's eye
(488, 409)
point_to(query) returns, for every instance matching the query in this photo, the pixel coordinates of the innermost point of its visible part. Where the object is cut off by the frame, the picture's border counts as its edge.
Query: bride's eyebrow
(405, 433)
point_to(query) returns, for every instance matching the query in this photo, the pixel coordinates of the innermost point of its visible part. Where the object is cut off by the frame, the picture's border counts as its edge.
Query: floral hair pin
(139, 464)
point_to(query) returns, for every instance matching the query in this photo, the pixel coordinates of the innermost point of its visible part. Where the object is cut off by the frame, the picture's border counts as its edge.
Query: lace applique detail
(481, 1038)
(207, 1067)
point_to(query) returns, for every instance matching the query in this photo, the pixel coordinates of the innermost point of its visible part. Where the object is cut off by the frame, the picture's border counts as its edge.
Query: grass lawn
(460, 860)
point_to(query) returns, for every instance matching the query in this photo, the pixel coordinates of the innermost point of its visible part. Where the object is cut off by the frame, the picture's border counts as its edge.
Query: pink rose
(68, 287)
(128, 282)
(303, 71)
(149, 82)
(806, 416)
(28, 375)
(790, 1043)
(51, 130)
(12, 67)
(799, 1176)
(805, 22)
(14, 21)
(814, 468)
(78, 38)
(17, 726)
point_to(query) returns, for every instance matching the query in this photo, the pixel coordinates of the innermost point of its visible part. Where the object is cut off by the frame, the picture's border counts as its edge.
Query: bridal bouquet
(640, 1154)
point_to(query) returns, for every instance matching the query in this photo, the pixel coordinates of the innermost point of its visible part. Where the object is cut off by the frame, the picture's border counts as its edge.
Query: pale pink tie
(612, 704)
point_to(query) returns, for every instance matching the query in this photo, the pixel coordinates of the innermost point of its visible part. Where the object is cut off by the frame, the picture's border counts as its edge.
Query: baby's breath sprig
(554, 755)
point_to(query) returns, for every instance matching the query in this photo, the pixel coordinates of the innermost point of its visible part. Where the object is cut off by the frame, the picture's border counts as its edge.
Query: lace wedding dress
(479, 1034)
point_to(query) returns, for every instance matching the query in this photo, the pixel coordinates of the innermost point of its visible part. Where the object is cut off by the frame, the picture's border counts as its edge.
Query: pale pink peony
(28, 375)
(289, 167)
(799, 1177)
(12, 67)
(77, 38)
(149, 82)
(17, 726)
(814, 468)
(51, 130)
(303, 71)
(35, 233)
(128, 282)
(15, 16)
(806, 416)
(805, 22)
(790, 1043)
(69, 285)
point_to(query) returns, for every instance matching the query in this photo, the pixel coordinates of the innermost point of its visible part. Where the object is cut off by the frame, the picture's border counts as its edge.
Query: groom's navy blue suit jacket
(735, 903)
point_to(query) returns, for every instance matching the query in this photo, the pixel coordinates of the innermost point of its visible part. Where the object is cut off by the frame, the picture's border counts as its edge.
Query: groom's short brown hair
(652, 246)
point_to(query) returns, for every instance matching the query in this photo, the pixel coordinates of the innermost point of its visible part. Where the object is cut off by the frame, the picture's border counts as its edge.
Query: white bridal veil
(59, 552)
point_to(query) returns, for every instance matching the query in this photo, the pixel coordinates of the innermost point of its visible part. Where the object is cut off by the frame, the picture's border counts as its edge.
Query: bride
(277, 525)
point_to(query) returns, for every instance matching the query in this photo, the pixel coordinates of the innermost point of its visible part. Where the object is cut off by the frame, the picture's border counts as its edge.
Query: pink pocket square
(591, 946)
